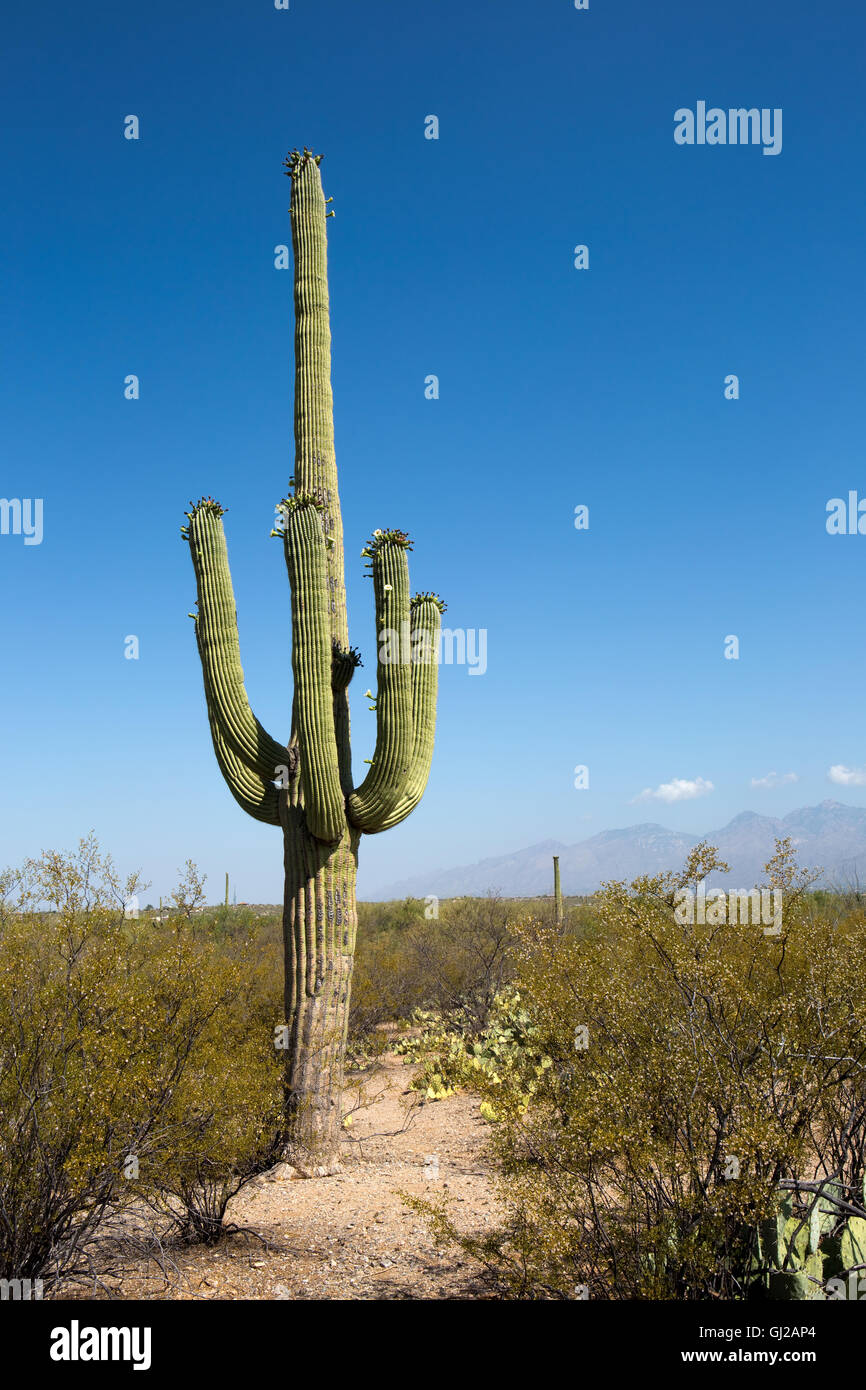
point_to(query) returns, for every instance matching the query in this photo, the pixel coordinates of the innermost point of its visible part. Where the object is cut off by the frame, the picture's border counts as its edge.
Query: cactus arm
(258, 798)
(344, 745)
(343, 666)
(219, 649)
(426, 622)
(312, 665)
(382, 788)
(372, 806)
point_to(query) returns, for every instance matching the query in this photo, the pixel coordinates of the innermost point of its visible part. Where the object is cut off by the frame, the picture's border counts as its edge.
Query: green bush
(692, 1073)
(454, 963)
(126, 1072)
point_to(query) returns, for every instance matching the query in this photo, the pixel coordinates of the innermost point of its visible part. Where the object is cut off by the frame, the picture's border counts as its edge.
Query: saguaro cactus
(557, 890)
(306, 786)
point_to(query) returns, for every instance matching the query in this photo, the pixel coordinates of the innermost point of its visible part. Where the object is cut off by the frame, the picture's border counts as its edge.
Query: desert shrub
(222, 1125)
(395, 917)
(462, 960)
(118, 1043)
(454, 964)
(384, 978)
(693, 1072)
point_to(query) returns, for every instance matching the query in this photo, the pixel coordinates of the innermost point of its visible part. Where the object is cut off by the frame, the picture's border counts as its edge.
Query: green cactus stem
(306, 785)
(793, 1255)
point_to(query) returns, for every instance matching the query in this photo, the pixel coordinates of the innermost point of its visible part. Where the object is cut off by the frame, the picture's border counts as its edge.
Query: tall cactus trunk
(319, 926)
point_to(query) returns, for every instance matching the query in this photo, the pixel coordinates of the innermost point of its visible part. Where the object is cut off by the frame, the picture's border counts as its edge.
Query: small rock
(282, 1172)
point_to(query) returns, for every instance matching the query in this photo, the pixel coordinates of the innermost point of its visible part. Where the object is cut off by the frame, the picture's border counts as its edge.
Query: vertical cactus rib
(383, 786)
(319, 926)
(315, 460)
(306, 559)
(426, 624)
(217, 636)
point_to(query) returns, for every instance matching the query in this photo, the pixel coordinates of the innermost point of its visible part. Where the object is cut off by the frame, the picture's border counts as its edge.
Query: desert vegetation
(672, 1110)
(138, 1085)
(677, 1109)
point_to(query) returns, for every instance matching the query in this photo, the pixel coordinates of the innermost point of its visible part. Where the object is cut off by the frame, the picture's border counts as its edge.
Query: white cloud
(847, 776)
(680, 789)
(773, 779)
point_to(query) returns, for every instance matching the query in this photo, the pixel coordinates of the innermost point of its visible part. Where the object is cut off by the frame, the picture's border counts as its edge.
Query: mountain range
(830, 837)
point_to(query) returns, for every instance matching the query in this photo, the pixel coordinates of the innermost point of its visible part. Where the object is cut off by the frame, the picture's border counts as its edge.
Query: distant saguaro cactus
(306, 786)
(557, 890)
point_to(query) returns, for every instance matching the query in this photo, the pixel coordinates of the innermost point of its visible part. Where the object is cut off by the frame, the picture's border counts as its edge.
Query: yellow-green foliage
(716, 1063)
(221, 1124)
(505, 1053)
(127, 1066)
(454, 963)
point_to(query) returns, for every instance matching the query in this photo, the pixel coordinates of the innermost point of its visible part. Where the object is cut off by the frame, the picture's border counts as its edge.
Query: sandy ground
(350, 1236)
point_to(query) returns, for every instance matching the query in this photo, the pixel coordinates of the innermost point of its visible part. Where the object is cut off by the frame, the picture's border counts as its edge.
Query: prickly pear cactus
(793, 1256)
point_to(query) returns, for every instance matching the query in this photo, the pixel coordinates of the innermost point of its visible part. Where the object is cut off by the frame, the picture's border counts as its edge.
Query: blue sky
(558, 387)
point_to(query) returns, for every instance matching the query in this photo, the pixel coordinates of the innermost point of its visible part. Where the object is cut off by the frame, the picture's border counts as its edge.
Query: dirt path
(349, 1236)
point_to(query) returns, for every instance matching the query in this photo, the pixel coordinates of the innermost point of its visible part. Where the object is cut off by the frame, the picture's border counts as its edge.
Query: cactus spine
(321, 812)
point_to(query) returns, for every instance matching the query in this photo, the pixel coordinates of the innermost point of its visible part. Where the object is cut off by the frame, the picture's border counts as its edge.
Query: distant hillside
(830, 836)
